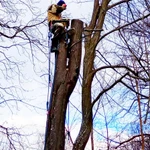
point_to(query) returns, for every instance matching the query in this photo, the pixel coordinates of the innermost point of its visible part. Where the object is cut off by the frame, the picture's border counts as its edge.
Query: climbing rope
(49, 83)
(49, 69)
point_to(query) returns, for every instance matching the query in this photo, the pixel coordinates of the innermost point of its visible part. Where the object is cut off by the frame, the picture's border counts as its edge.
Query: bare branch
(108, 88)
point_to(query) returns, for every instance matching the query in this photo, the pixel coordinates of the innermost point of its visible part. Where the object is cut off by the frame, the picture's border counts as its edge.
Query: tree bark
(92, 39)
(64, 83)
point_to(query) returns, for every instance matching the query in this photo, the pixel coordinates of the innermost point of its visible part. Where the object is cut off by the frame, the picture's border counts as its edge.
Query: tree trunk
(64, 83)
(91, 41)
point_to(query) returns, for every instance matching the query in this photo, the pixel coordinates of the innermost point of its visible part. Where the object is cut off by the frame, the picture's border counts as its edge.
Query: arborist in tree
(56, 23)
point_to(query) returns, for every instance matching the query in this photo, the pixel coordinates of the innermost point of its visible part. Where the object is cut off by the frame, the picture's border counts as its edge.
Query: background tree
(20, 23)
(112, 80)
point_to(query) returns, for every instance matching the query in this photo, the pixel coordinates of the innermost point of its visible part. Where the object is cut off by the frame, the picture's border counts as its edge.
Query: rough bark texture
(64, 83)
(91, 39)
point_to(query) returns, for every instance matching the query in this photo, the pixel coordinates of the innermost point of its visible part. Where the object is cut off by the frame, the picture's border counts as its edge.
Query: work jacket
(54, 12)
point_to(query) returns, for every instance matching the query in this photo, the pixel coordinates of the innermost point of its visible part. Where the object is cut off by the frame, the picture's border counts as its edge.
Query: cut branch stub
(66, 75)
(75, 50)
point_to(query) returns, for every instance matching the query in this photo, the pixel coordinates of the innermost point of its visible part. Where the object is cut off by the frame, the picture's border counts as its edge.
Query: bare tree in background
(21, 41)
(115, 80)
(105, 61)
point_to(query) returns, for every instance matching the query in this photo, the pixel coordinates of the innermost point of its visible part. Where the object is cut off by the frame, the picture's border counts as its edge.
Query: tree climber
(56, 23)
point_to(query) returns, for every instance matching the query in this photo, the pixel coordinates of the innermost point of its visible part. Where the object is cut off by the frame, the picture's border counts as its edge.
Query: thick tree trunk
(65, 81)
